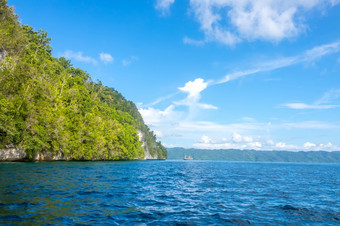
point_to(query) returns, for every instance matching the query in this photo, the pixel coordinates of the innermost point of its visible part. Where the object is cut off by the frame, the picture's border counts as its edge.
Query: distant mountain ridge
(257, 156)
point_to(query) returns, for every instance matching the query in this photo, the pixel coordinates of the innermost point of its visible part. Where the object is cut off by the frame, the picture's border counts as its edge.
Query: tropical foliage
(47, 105)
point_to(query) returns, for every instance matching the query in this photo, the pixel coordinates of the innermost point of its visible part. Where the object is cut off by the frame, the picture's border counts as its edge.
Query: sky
(211, 74)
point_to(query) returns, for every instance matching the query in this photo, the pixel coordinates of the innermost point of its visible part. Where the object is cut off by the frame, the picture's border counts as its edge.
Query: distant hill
(258, 156)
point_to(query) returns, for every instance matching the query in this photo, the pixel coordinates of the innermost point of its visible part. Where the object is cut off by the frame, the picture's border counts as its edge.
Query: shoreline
(18, 155)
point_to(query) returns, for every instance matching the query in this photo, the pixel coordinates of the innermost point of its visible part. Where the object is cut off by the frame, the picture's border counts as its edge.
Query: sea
(169, 193)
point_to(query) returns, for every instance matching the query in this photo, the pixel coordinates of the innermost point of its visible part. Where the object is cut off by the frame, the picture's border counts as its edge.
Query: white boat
(187, 157)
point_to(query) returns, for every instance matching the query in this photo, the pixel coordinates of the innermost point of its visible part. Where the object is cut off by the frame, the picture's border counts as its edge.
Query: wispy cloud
(309, 106)
(321, 103)
(319, 51)
(106, 57)
(308, 56)
(239, 74)
(127, 62)
(329, 96)
(306, 125)
(190, 41)
(164, 6)
(78, 56)
(161, 99)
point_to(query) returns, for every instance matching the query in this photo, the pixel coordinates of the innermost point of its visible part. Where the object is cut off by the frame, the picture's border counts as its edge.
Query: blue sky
(246, 74)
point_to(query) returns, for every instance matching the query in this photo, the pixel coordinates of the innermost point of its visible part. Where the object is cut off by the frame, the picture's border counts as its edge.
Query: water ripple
(169, 192)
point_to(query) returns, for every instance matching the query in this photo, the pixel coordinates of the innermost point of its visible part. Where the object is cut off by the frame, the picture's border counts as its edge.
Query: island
(50, 110)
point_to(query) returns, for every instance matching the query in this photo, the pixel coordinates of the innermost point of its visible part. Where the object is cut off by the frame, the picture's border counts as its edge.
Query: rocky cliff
(148, 155)
(13, 154)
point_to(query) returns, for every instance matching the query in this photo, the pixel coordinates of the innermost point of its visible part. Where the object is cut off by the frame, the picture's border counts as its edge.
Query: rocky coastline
(12, 154)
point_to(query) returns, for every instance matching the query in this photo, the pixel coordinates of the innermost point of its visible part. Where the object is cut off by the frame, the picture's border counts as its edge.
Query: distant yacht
(187, 157)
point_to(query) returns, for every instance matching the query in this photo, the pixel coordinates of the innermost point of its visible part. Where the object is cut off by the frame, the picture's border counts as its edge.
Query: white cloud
(106, 57)
(78, 56)
(270, 143)
(246, 141)
(154, 116)
(327, 146)
(207, 106)
(309, 145)
(254, 145)
(206, 140)
(264, 20)
(236, 141)
(231, 21)
(158, 134)
(129, 61)
(280, 145)
(241, 139)
(194, 88)
(208, 143)
(164, 5)
(285, 147)
(308, 106)
(190, 41)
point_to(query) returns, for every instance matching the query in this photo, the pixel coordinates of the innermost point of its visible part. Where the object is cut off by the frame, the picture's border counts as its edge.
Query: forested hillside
(48, 106)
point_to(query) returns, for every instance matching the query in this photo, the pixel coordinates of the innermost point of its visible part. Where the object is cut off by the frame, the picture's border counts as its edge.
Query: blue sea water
(169, 192)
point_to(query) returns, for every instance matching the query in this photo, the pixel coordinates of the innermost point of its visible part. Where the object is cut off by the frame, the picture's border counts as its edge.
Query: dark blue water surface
(169, 192)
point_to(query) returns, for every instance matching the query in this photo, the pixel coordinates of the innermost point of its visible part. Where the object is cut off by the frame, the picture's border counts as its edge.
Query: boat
(187, 157)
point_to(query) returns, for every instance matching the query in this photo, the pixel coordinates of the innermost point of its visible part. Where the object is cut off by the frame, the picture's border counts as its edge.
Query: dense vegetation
(47, 105)
(256, 156)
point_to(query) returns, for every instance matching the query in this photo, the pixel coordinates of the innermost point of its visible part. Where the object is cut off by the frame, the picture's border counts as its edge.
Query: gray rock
(12, 154)
(147, 155)
(2, 55)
